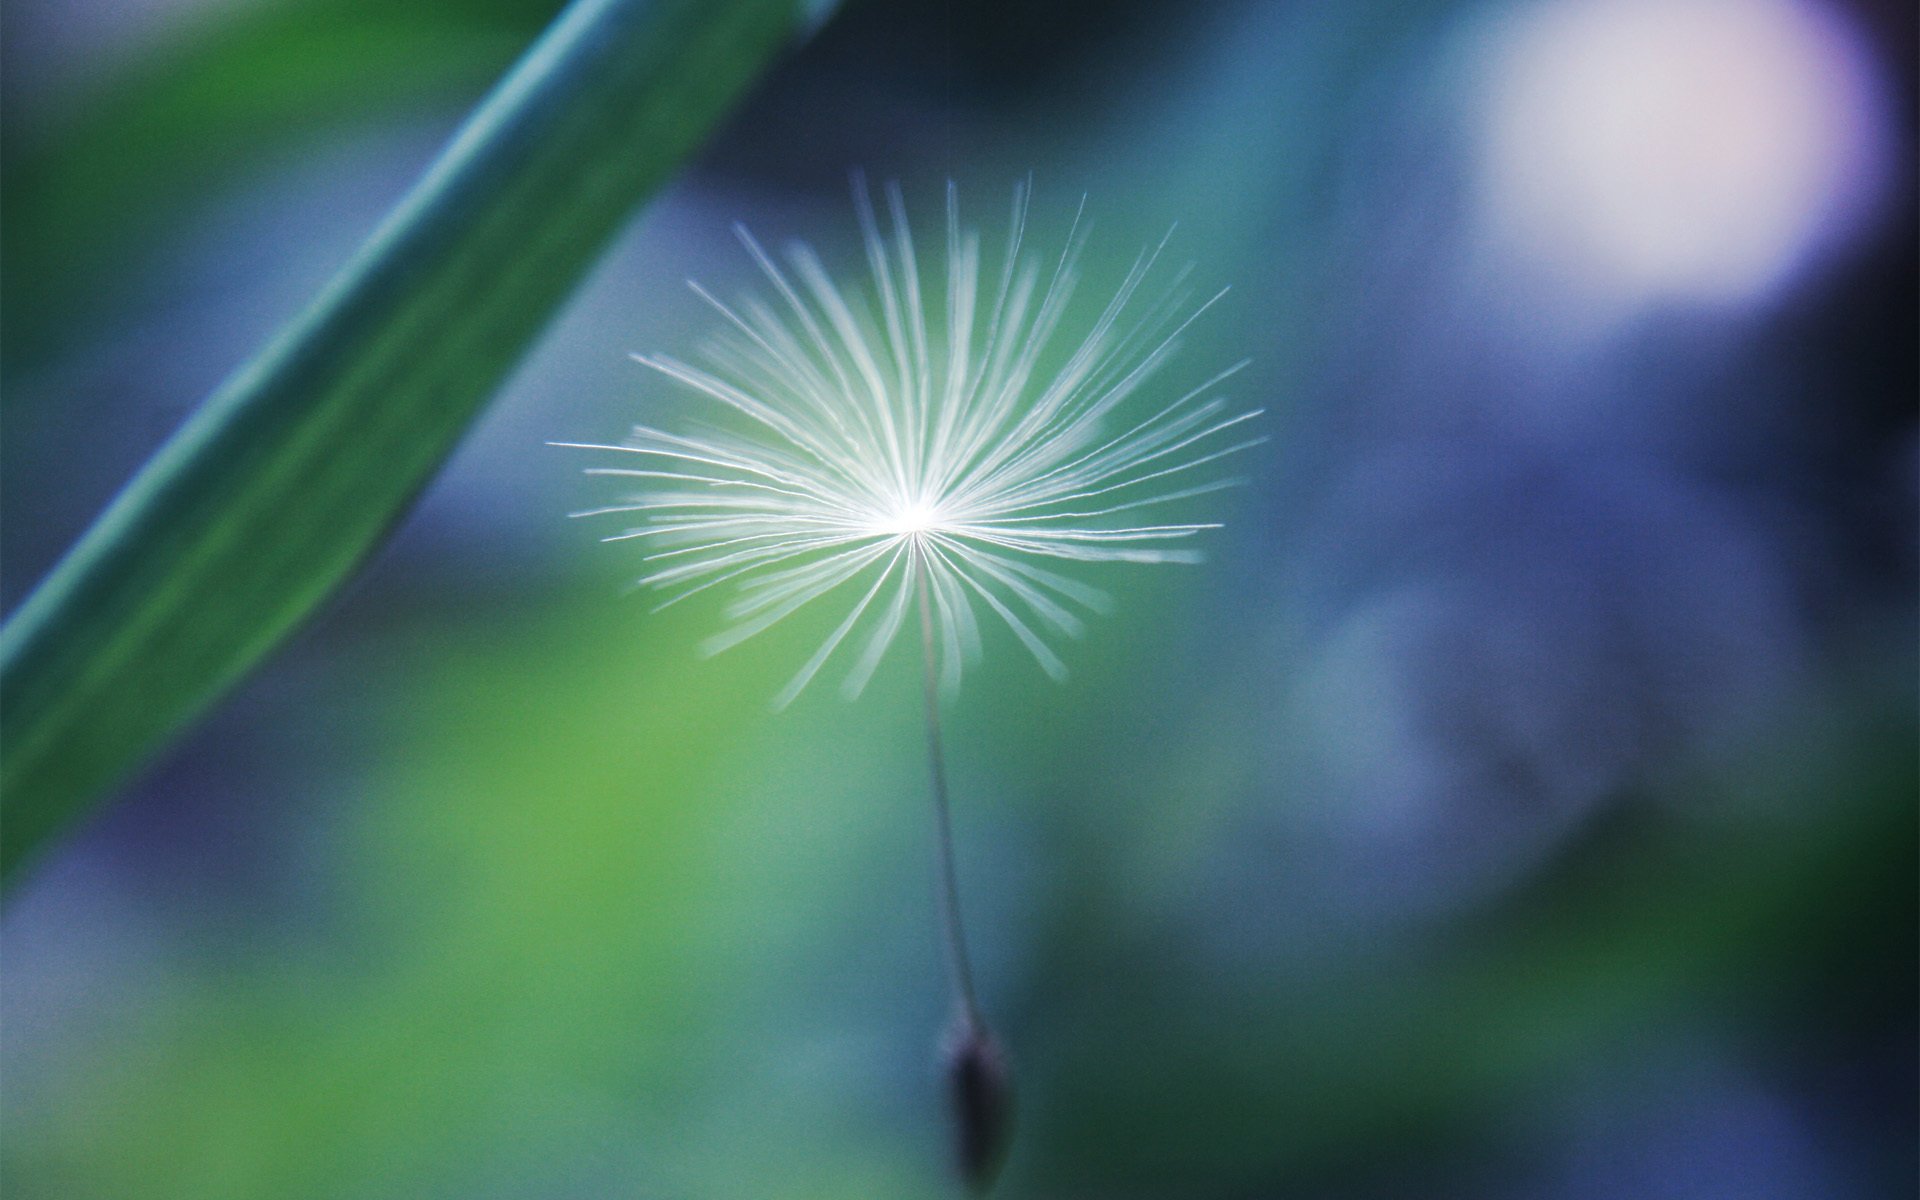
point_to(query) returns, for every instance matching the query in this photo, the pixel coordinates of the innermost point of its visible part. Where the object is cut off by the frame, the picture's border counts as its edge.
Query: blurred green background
(1521, 803)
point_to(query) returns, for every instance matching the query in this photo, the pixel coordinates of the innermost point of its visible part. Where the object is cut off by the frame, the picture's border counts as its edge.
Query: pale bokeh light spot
(1645, 150)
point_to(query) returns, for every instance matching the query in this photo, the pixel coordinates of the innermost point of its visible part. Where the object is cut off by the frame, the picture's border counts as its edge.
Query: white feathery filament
(885, 437)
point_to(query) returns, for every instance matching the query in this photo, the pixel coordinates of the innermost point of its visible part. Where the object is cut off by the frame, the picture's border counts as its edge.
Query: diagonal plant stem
(300, 464)
(947, 883)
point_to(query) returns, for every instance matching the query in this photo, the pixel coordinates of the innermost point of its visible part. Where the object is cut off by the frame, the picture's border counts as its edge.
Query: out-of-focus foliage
(105, 165)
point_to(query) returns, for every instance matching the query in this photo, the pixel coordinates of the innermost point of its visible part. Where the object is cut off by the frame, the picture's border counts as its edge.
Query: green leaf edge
(295, 469)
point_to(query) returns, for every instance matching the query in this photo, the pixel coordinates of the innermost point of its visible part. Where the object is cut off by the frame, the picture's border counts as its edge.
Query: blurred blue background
(1521, 803)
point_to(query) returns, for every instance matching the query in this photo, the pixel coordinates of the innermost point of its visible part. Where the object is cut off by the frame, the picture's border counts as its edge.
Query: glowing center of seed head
(910, 519)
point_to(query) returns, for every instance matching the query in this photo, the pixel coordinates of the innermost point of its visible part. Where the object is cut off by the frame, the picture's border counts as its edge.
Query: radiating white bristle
(879, 446)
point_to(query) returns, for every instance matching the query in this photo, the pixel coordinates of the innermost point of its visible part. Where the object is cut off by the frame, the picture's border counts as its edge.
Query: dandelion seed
(880, 444)
(913, 455)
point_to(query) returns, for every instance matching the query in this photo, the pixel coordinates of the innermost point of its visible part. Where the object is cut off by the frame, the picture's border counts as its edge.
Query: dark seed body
(980, 1090)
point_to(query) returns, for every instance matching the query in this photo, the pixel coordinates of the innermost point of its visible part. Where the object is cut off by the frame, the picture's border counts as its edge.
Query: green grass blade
(297, 466)
(94, 174)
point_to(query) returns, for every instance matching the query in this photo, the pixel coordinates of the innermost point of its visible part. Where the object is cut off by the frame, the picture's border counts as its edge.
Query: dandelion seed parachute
(879, 441)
